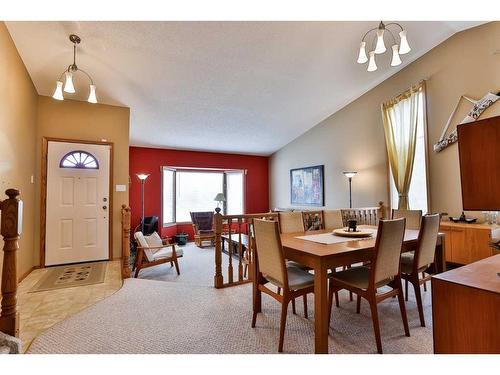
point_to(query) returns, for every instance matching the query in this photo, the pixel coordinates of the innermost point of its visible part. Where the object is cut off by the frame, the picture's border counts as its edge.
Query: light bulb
(362, 58)
(404, 47)
(380, 47)
(68, 85)
(58, 94)
(396, 60)
(371, 65)
(92, 98)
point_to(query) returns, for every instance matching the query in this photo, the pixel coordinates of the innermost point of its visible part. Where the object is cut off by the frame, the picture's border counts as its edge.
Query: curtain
(400, 116)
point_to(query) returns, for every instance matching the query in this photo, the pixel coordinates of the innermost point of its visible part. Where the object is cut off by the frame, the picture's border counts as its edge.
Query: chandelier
(68, 74)
(381, 31)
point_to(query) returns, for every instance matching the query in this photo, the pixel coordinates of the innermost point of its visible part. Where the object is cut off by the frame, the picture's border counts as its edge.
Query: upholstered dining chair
(332, 219)
(413, 217)
(383, 271)
(272, 268)
(291, 222)
(412, 264)
(203, 227)
(152, 251)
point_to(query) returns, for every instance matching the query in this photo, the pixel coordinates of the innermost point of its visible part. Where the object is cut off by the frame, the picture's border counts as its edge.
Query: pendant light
(68, 77)
(378, 43)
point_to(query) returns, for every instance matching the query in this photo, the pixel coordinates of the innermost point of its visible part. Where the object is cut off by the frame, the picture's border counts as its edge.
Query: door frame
(43, 195)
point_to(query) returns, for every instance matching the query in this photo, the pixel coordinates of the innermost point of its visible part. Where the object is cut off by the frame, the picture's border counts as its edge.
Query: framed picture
(307, 186)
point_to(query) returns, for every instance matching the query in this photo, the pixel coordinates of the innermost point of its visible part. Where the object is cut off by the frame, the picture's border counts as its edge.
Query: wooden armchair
(152, 251)
(203, 227)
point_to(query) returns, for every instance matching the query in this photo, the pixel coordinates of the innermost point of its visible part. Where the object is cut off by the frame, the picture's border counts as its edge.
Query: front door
(77, 215)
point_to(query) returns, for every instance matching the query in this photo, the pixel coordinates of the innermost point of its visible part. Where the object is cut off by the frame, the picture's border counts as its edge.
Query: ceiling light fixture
(381, 31)
(68, 74)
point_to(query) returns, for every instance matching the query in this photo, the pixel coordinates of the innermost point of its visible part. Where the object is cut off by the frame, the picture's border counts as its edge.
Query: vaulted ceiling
(244, 87)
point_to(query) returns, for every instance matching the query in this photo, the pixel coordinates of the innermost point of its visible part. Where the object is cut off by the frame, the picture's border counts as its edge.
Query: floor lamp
(350, 175)
(142, 177)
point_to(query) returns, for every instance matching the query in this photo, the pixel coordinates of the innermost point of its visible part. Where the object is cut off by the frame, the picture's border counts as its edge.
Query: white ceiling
(244, 87)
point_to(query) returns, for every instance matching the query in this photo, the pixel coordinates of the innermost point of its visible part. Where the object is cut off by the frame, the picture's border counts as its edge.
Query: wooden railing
(11, 227)
(235, 233)
(125, 241)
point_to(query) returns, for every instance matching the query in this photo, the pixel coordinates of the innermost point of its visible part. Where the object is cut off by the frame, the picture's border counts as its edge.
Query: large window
(186, 191)
(417, 195)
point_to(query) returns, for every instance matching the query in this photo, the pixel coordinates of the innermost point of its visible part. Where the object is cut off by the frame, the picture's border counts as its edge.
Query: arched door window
(80, 160)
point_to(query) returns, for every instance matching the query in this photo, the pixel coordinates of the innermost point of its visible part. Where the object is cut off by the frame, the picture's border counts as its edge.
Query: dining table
(322, 257)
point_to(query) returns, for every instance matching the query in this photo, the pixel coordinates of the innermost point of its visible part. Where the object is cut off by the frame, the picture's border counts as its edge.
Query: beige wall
(70, 119)
(18, 102)
(353, 137)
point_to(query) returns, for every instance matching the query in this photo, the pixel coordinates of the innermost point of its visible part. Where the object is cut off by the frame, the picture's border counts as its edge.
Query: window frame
(426, 156)
(200, 170)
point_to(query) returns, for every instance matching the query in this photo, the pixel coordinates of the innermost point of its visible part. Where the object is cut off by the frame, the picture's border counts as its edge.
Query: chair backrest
(203, 220)
(313, 220)
(390, 237)
(291, 222)
(270, 259)
(332, 219)
(141, 240)
(150, 225)
(427, 238)
(413, 217)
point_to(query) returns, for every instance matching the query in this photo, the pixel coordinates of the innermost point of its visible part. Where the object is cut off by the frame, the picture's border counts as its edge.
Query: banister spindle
(240, 252)
(230, 251)
(218, 278)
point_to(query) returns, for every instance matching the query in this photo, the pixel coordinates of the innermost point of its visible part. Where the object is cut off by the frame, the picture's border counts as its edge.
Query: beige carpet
(187, 315)
(69, 276)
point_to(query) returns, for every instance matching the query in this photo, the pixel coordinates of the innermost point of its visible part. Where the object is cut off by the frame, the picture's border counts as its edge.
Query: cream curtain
(400, 116)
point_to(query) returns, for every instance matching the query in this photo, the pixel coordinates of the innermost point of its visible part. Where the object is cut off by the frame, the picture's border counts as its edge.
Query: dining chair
(291, 222)
(412, 264)
(413, 217)
(332, 219)
(383, 271)
(272, 268)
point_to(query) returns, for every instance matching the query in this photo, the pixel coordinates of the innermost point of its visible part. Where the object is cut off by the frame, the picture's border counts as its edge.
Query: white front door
(77, 215)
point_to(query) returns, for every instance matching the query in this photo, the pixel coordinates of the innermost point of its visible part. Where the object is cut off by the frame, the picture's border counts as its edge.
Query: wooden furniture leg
(358, 304)
(284, 310)
(321, 318)
(376, 326)
(293, 307)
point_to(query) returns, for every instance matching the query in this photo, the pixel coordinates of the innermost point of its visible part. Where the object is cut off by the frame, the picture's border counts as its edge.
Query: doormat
(71, 276)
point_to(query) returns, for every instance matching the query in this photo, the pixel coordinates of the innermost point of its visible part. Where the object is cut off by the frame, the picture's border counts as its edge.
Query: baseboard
(24, 275)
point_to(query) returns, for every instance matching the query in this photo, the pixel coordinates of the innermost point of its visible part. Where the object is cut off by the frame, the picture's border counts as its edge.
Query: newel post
(381, 210)
(218, 279)
(125, 241)
(11, 227)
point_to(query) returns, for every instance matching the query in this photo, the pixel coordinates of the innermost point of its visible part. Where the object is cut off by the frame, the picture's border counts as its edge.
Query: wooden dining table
(322, 257)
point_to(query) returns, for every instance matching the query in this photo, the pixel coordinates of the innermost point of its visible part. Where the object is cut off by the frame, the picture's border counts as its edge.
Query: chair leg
(255, 307)
(358, 304)
(284, 308)
(418, 297)
(350, 296)
(171, 264)
(376, 327)
(337, 299)
(245, 269)
(293, 307)
(177, 266)
(305, 305)
(402, 307)
(406, 290)
(425, 283)
(279, 290)
(137, 272)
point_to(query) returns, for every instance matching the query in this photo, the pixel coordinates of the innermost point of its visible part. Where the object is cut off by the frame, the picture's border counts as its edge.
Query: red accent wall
(150, 160)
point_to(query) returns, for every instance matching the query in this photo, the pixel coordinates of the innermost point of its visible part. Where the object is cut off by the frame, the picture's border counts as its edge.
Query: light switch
(121, 187)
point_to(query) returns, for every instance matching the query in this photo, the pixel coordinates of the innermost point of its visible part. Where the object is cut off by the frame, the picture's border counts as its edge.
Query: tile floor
(41, 310)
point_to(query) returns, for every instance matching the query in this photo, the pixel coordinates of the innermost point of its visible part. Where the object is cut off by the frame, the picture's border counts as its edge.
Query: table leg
(439, 256)
(320, 310)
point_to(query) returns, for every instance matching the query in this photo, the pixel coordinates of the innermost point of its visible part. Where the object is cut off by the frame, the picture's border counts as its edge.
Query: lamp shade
(142, 176)
(220, 197)
(396, 60)
(404, 47)
(58, 93)
(372, 66)
(362, 58)
(92, 98)
(380, 46)
(349, 174)
(68, 84)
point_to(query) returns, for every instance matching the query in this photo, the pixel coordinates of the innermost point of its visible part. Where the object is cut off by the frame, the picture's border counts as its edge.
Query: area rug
(69, 276)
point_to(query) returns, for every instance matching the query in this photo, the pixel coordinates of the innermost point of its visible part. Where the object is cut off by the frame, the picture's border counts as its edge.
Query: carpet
(187, 315)
(70, 276)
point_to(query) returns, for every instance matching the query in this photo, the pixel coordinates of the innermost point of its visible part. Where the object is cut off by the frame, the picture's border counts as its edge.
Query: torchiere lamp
(350, 175)
(142, 177)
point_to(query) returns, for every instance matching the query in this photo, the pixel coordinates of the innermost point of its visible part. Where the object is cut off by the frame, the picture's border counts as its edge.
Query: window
(417, 195)
(188, 190)
(80, 160)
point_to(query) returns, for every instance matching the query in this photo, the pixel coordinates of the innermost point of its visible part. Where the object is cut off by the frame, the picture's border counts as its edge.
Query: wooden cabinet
(465, 306)
(467, 243)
